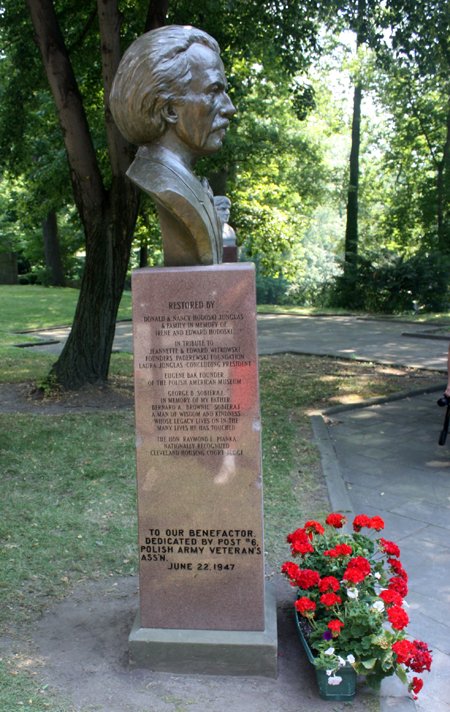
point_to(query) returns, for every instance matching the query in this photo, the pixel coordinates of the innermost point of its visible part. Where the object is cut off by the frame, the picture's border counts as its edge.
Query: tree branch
(79, 41)
(110, 20)
(416, 113)
(84, 169)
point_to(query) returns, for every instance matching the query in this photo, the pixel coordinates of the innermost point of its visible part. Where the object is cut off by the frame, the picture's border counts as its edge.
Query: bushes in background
(383, 282)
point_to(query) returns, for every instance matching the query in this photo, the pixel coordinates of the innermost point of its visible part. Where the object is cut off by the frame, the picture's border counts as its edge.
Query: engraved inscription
(198, 448)
(159, 544)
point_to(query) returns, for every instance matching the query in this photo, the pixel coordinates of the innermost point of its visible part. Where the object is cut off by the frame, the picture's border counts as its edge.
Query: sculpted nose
(227, 109)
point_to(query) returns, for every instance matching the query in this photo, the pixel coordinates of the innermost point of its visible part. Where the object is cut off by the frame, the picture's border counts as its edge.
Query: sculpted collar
(155, 153)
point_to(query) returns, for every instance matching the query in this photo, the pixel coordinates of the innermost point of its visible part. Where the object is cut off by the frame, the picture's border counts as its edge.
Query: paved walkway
(363, 339)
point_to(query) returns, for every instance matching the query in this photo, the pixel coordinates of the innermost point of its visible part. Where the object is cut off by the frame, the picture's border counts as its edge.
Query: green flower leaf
(401, 674)
(374, 681)
(369, 664)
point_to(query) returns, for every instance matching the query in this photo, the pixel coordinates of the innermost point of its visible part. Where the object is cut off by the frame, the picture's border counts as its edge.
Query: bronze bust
(169, 97)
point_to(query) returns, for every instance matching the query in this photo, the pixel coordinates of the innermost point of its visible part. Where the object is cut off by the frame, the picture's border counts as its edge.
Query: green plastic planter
(345, 690)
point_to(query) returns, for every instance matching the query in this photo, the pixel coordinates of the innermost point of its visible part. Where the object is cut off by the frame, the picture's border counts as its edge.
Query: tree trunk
(143, 255)
(156, 15)
(218, 181)
(351, 232)
(443, 219)
(52, 249)
(108, 216)
(87, 353)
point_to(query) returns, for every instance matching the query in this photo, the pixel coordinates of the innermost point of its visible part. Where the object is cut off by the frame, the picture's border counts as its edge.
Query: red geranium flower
(339, 550)
(404, 651)
(291, 570)
(359, 562)
(391, 597)
(343, 550)
(335, 626)
(305, 606)
(415, 686)
(422, 659)
(314, 528)
(413, 655)
(398, 569)
(336, 520)
(329, 599)
(354, 575)
(307, 578)
(397, 617)
(361, 521)
(300, 543)
(389, 547)
(357, 569)
(291, 537)
(398, 584)
(327, 583)
(376, 523)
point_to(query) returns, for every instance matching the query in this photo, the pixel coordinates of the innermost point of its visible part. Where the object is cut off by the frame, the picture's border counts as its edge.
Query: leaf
(369, 664)
(359, 668)
(402, 675)
(374, 681)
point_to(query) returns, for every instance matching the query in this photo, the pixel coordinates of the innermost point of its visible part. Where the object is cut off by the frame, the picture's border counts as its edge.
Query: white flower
(351, 659)
(352, 592)
(341, 661)
(335, 680)
(329, 651)
(378, 606)
(405, 604)
(377, 575)
(329, 672)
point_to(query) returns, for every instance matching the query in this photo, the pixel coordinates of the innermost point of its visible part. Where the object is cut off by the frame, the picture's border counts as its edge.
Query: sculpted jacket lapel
(201, 194)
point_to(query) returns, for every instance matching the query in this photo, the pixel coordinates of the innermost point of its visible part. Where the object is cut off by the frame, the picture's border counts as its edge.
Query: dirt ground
(26, 398)
(79, 649)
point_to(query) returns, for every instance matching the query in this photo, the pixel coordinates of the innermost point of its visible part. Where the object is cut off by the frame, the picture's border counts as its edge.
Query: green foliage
(391, 284)
(271, 290)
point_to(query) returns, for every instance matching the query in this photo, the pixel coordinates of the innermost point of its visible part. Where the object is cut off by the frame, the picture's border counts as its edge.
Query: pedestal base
(209, 652)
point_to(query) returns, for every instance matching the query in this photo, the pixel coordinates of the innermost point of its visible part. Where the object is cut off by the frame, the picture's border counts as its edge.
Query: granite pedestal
(198, 451)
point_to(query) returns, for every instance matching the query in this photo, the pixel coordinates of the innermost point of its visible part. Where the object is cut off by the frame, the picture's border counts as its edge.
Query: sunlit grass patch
(25, 307)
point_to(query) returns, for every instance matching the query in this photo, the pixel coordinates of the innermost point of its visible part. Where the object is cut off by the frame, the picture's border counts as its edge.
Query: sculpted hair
(153, 72)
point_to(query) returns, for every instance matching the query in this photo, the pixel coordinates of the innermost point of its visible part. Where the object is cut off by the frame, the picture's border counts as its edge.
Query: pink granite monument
(198, 449)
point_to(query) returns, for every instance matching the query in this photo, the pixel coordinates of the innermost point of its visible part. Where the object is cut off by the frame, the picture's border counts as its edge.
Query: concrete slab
(434, 695)
(434, 535)
(423, 511)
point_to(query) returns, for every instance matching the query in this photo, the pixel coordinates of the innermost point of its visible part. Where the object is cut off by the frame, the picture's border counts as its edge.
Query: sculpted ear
(170, 113)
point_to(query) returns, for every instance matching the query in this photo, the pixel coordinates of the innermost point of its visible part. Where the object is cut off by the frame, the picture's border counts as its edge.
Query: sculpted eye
(216, 89)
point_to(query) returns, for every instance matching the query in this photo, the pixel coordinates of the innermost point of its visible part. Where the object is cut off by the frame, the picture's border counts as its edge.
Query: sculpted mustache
(222, 125)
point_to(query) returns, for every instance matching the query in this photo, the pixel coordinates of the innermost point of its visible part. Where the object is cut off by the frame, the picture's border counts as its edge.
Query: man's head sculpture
(169, 96)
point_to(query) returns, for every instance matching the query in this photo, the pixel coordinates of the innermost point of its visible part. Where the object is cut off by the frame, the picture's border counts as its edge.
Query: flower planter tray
(345, 690)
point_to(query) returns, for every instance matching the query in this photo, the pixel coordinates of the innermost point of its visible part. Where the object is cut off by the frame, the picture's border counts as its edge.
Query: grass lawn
(68, 481)
(25, 307)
